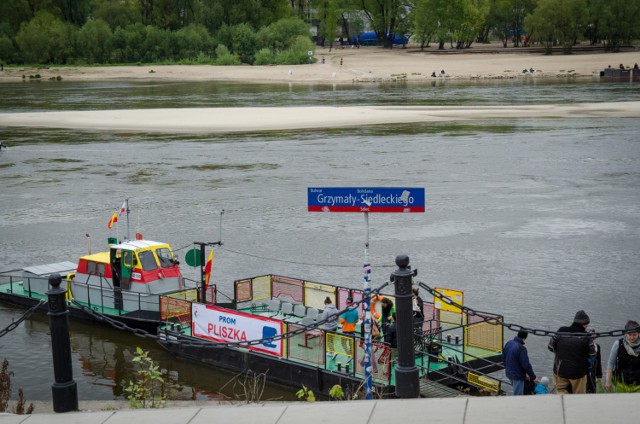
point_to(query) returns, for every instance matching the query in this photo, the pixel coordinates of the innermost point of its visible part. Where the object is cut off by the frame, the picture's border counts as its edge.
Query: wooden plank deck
(431, 389)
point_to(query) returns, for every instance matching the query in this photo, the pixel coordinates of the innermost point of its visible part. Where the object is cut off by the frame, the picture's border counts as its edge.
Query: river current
(533, 219)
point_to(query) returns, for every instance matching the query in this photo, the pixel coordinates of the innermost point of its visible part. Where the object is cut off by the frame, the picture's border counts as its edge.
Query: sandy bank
(367, 64)
(226, 120)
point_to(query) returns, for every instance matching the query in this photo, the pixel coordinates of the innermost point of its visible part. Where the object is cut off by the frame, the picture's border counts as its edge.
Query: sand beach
(367, 65)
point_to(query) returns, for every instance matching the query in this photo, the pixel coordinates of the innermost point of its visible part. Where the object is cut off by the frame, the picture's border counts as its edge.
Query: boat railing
(122, 301)
(459, 372)
(32, 287)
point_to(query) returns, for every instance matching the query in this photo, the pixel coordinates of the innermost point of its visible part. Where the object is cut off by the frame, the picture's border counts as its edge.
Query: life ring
(374, 302)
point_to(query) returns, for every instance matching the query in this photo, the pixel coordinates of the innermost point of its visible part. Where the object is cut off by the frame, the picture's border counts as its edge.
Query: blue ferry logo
(267, 333)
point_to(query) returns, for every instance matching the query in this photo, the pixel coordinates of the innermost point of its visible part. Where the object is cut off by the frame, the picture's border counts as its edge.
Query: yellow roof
(97, 257)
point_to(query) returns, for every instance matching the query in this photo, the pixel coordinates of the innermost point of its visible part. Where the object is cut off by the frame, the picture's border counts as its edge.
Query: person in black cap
(573, 351)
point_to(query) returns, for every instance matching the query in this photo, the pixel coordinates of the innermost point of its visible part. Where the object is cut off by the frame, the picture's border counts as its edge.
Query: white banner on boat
(226, 325)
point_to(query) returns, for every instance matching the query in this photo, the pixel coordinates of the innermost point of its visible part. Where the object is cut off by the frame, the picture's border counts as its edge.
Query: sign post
(365, 200)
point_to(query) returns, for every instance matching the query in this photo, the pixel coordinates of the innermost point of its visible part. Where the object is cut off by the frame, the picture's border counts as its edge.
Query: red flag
(113, 219)
(207, 269)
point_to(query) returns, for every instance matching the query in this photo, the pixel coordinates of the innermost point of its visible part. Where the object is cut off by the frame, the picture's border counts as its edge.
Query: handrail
(459, 365)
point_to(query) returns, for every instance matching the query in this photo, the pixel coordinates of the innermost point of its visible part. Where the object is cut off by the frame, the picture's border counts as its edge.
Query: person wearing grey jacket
(329, 316)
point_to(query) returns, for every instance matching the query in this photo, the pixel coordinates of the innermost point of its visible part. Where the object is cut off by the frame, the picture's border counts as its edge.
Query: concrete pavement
(541, 409)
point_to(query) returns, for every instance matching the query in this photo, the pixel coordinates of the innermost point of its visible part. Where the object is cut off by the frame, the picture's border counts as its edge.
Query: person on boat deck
(391, 336)
(418, 315)
(385, 316)
(624, 359)
(349, 318)
(329, 315)
(571, 363)
(595, 366)
(517, 366)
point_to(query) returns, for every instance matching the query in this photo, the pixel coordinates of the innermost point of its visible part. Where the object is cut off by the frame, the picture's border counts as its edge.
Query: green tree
(74, 11)
(328, 12)
(158, 45)
(94, 40)
(12, 15)
(45, 39)
(619, 21)
(280, 35)
(557, 21)
(387, 17)
(193, 40)
(425, 23)
(7, 50)
(118, 14)
(474, 15)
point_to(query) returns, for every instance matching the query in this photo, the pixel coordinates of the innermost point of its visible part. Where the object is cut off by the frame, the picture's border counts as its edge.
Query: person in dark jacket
(594, 376)
(624, 359)
(516, 363)
(391, 337)
(572, 353)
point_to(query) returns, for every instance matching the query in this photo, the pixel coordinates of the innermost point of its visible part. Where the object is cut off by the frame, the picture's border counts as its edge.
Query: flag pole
(367, 315)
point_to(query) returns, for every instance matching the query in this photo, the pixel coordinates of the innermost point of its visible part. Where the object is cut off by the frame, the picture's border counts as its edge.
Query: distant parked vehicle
(370, 38)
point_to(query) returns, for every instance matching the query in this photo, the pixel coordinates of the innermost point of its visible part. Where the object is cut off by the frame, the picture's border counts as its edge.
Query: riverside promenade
(541, 409)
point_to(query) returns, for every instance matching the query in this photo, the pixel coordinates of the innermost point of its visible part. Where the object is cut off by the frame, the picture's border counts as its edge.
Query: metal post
(64, 390)
(368, 379)
(203, 288)
(407, 376)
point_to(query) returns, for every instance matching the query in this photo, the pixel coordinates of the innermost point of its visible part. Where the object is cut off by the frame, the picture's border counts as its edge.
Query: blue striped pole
(367, 316)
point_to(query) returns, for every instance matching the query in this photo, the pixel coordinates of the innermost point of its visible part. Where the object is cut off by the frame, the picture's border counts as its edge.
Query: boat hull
(276, 369)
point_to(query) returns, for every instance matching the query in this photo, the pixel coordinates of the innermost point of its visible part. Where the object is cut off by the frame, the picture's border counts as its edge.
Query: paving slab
(602, 408)
(352, 412)
(538, 409)
(431, 411)
(241, 414)
(6, 418)
(65, 418)
(150, 416)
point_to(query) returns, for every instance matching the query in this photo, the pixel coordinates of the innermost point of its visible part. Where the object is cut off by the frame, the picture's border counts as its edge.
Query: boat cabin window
(165, 256)
(95, 268)
(148, 260)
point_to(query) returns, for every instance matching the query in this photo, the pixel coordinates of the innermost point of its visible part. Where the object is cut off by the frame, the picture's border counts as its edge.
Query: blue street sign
(364, 199)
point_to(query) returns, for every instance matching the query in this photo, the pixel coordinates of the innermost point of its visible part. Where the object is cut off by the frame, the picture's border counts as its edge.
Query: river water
(533, 219)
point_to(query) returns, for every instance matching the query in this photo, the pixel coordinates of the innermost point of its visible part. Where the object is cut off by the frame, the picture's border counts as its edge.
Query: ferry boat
(124, 282)
(272, 326)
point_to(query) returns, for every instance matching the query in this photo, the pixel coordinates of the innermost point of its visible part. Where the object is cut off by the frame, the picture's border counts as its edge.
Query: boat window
(148, 260)
(166, 259)
(95, 268)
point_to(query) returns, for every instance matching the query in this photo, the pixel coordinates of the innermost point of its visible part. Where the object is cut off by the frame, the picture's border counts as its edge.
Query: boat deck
(337, 352)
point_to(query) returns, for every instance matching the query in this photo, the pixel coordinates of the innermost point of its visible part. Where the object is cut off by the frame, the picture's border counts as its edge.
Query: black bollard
(407, 376)
(64, 390)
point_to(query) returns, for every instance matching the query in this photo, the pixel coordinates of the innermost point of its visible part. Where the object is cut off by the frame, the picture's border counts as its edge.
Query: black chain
(143, 333)
(24, 316)
(517, 327)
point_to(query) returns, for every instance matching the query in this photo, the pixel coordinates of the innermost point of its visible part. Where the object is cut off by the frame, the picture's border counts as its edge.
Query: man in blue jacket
(516, 363)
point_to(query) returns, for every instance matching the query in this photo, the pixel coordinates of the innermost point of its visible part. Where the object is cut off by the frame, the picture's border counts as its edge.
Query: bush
(265, 57)
(225, 57)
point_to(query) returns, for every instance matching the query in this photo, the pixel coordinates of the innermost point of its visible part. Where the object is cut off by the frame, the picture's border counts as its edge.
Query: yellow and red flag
(114, 218)
(207, 269)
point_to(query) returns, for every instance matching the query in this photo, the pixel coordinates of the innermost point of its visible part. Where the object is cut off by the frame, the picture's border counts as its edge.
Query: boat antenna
(128, 210)
(88, 241)
(220, 229)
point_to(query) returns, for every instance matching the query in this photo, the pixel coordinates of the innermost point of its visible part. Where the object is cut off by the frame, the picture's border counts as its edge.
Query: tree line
(278, 31)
